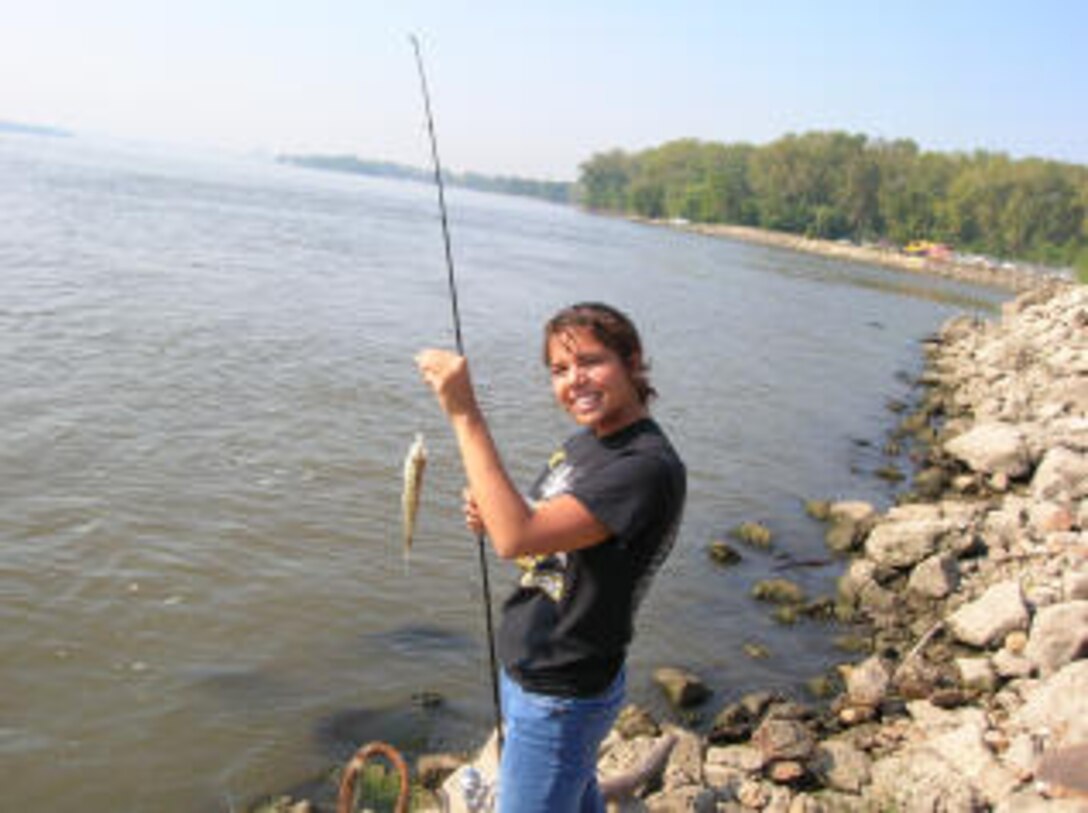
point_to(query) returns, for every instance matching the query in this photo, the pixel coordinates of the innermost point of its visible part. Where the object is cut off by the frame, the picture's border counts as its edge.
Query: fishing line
(480, 541)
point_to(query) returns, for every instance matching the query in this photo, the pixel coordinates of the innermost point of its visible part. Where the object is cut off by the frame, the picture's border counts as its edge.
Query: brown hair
(614, 330)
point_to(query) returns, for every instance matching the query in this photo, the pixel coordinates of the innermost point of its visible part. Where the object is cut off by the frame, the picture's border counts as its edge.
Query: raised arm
(514, 527)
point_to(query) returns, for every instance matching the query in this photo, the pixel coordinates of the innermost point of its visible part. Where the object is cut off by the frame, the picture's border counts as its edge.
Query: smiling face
(591, 382)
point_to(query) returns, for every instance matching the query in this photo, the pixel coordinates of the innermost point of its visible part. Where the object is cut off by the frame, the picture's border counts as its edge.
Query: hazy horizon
(533, 92)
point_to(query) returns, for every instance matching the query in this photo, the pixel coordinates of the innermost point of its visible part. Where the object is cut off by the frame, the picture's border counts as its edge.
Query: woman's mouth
(585, 402)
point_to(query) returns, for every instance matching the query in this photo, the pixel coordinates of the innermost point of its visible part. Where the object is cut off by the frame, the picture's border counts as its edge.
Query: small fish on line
(414, 464)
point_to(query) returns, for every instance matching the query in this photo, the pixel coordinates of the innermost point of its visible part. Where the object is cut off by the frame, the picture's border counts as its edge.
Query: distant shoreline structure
(1008, 276)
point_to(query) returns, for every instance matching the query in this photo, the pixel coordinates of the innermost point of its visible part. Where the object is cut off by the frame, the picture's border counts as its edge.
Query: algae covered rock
(683, 688)
(722, 553)
(754, 534)
(778, 591)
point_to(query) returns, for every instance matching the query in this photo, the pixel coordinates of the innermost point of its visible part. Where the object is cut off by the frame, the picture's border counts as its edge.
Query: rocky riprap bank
(972, 597)
(975, 598)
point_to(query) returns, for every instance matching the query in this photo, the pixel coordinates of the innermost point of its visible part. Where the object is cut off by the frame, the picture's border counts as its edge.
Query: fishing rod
(480, 541)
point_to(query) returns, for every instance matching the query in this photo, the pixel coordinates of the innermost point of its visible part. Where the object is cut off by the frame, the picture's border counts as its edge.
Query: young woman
(596, 526)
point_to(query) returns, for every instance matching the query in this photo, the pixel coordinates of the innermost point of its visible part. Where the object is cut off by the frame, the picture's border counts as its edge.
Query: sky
(535, 89)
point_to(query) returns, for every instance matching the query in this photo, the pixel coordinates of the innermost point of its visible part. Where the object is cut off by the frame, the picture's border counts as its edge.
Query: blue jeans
(549, 757)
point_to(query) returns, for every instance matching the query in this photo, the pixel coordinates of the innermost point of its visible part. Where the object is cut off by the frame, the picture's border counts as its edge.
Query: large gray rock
(935, 577)
(1029, 801)
(965, 749)
(783, 739)
(1059, 706)
(1062, 476)
(993, 615)
(992, 448)
(905, 543)
(922, 780)
(951, 770)
(685, 765)
(842, 766)
(1059, 634)
(867, 683)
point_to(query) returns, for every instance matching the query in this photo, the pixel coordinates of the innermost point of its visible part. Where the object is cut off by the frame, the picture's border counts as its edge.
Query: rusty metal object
(346, 798)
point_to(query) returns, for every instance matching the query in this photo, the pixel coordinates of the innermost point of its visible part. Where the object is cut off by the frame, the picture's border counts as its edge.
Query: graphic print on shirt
(547, 572)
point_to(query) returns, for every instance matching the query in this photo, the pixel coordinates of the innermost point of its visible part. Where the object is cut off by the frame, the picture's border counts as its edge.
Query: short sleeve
(627, 494)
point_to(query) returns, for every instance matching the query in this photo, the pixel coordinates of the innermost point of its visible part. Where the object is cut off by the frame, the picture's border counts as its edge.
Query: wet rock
(778, 591)
(821, 608)
(682, 688)
(786, 614)
(734, 723)
(890, 473)
(818, 509)
(843, 535)
(857, 511)
(989, 618)
(850, 642)
(823, 686)
(756, 652)
(931, 482)
(753, 533)
(758, 703)
(722, 553)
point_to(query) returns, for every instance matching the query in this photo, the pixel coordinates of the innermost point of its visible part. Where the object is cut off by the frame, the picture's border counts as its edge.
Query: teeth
(586, 401)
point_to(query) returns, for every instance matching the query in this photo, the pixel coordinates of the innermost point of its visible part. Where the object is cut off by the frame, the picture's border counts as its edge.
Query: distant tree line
(555, 191)
(837, 185)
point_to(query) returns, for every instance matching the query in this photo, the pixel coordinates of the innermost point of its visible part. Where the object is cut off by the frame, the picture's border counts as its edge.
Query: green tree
(604, 180)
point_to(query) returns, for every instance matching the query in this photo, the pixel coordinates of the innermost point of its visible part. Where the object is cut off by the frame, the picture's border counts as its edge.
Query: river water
(206, 392)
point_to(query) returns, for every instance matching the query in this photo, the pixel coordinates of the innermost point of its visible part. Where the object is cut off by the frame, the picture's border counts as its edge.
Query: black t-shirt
(566, 627)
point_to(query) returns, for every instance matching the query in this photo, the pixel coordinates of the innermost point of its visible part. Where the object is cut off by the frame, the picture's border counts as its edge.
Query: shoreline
(973, 595)
(1014, 279)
